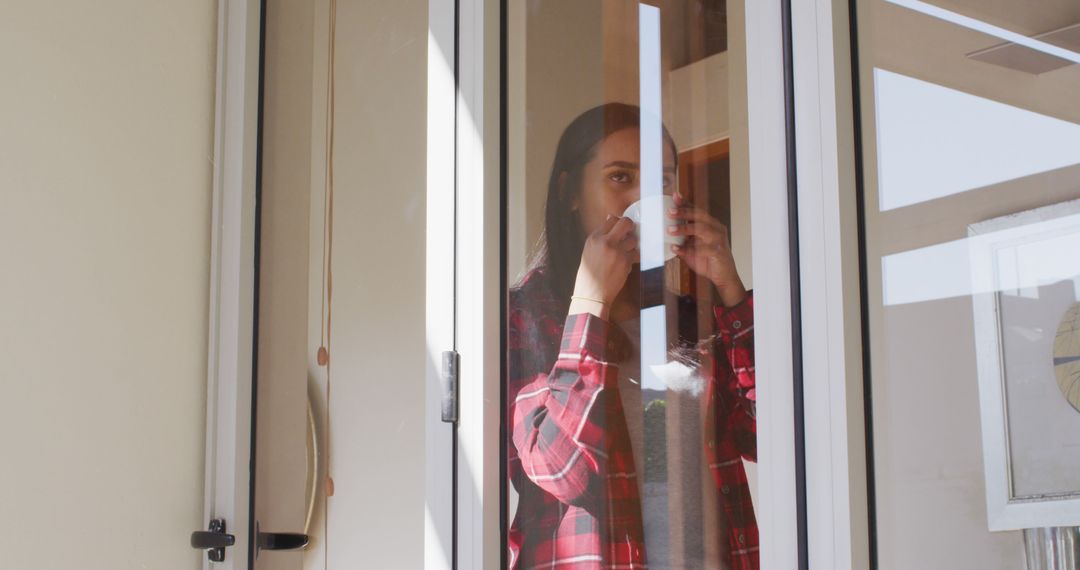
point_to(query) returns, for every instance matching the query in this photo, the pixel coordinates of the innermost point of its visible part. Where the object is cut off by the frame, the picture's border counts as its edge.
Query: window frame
(836, 476)
(838, 487)
(481, 283)
(233, 276)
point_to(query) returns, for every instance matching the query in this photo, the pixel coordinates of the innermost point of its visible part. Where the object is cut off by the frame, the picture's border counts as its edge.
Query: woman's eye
(668, 182)
(620, 177)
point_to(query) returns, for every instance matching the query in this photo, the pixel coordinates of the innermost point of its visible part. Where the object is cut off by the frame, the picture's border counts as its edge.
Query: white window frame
(835, 435)
(440, 286)
(232, 277)
(479, 261)
(775, 366)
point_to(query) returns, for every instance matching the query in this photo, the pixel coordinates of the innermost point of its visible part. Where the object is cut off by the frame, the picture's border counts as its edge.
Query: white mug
(667, 203)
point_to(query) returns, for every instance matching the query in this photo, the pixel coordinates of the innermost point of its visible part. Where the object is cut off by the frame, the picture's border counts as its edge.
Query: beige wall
(106, 119)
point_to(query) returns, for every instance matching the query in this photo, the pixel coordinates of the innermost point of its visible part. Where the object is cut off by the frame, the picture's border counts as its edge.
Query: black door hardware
(279, 540)
(214, 540)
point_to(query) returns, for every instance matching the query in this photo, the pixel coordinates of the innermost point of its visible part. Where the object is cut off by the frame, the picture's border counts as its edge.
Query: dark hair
(558, 253)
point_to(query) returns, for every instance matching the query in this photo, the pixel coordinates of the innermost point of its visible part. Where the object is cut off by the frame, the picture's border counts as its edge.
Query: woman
(574, 454)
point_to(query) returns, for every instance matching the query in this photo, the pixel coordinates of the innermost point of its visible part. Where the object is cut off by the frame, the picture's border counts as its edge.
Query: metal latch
(214, 540)
(450, 362)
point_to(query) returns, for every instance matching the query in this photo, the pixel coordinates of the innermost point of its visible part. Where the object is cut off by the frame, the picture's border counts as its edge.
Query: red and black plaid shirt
(570, 457)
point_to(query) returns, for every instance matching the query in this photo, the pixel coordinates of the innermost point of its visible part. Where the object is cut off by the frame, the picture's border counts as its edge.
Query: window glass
(971, 129)
(631, 403)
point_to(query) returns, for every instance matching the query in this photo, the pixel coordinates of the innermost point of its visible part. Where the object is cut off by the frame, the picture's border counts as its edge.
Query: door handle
(282, 540)
(278, 540)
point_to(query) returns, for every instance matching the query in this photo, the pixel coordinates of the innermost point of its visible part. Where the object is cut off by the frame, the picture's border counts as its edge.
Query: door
(352, 288)
(399, 146)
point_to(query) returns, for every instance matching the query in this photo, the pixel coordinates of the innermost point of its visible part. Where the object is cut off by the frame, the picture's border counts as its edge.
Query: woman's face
(610, 181)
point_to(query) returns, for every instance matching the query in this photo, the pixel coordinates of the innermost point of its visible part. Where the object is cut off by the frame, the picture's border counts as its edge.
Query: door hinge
(450, 364)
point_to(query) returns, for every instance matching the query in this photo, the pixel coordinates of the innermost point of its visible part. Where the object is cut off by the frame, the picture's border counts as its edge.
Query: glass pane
(972, 155)
(341, 411)
(631, 401)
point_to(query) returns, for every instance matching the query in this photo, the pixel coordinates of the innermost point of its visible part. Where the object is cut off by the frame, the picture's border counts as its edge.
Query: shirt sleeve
(559, 418)
(736, 330)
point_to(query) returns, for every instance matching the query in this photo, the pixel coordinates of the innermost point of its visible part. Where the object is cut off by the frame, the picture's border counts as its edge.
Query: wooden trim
(708, 152)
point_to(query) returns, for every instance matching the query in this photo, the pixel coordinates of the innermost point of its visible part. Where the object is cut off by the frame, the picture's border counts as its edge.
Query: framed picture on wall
(1025, 271)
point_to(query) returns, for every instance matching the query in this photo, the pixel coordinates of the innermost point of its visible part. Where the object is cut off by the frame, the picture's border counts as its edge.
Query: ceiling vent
(1029, 60)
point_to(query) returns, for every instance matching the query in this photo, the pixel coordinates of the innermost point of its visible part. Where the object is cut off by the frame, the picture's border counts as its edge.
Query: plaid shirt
(570, 457)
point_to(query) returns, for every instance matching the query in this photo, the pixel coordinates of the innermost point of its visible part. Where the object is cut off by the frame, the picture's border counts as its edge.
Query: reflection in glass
(934, 141)
(631, 401)
(1023, 340)
(970, 244)
(956, 18)
(944, 270)
(596, 378)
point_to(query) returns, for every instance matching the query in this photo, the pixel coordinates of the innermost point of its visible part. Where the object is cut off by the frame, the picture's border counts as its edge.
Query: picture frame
(1025, 271)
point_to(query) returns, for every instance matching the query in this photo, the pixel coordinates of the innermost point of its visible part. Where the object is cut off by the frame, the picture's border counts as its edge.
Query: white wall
(106, 118)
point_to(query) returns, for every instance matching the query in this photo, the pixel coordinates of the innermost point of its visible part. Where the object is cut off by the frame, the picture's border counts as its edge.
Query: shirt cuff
(585, 335)
(738, 320)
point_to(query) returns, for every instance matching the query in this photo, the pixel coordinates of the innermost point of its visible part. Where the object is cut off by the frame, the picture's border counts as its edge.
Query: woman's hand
(609, 254)
(707, 250)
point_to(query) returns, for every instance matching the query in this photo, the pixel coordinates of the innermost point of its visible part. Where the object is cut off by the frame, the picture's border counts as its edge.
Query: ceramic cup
(666, 203)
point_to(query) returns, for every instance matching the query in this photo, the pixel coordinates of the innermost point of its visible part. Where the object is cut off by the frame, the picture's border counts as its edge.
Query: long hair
(558, 253)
